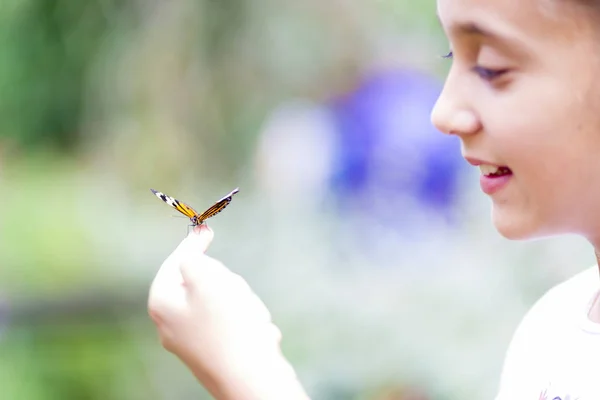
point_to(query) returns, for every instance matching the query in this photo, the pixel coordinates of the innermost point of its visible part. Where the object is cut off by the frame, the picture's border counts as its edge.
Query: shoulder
(559, 304)
(543, 326)
(564, 297)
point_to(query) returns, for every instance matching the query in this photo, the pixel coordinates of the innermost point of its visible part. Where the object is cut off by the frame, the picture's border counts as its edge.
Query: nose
(452, 113)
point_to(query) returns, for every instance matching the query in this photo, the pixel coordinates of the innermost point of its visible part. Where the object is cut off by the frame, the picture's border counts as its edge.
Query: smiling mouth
(493, 171)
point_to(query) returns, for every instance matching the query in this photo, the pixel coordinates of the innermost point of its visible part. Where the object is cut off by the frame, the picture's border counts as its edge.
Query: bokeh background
(356, 222)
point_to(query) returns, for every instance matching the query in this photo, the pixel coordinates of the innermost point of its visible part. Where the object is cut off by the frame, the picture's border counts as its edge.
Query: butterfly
(197, 219)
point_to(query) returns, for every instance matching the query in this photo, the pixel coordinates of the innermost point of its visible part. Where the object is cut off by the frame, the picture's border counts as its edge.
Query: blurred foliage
(244, 57)
(72, 361)
(46, 48)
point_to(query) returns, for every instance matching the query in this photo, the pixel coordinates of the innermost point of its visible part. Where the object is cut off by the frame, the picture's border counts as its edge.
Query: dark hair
(584, 5)
(593, 4)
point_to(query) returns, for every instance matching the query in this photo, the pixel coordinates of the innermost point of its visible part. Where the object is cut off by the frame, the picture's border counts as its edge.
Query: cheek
(555, 188)
(550, 137)
(547, 178)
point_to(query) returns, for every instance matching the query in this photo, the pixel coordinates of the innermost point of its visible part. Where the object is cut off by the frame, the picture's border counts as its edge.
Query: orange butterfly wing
(192, 214)
(217, 207)
(176, 204)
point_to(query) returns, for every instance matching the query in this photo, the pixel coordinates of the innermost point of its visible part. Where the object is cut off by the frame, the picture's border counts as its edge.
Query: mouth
(493, 177)
(494, 171)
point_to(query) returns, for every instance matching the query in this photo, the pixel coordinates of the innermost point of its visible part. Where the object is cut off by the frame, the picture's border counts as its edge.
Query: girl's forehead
(560, 19)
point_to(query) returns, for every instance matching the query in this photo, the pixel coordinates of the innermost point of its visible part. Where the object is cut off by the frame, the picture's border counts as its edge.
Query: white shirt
(555, 351)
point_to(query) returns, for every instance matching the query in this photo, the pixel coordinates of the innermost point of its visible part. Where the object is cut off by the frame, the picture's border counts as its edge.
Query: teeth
(488, 169)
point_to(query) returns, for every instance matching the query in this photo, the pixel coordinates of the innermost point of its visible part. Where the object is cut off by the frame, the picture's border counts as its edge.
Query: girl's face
(523, 93)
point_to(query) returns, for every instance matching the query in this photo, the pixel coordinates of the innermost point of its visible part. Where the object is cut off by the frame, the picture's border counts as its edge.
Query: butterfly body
(195, 217)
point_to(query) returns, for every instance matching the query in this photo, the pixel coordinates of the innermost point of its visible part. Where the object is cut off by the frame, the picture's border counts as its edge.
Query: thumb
(199, 239)
(194, 245)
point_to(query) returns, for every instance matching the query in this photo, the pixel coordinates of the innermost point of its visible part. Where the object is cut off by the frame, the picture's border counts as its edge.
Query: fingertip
(201, 236)
(202, 228)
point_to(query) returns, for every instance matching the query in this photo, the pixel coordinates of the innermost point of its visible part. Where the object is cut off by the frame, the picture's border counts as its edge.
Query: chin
(517, 226)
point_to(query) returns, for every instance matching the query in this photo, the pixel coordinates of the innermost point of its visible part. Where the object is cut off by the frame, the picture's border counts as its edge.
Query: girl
(523, 97)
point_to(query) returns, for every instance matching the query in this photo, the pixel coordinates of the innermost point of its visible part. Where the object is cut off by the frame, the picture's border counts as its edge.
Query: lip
(476, 162)
(490, 184)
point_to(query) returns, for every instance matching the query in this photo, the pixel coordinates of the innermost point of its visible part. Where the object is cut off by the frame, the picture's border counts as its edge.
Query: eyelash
(484, 73)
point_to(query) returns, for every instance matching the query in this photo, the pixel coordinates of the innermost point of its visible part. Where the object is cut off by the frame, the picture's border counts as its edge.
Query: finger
(194, 244)
(199, 239)
(200, 273)
(166, 290)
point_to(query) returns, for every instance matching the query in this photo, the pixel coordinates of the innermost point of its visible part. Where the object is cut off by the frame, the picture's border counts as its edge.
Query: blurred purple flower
(387, 149)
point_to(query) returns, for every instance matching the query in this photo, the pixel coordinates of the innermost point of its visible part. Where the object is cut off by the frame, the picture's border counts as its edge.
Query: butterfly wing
(176, 204)
(217, 207)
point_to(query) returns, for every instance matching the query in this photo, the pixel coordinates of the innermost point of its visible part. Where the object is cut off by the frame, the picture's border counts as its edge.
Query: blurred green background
(101, 100)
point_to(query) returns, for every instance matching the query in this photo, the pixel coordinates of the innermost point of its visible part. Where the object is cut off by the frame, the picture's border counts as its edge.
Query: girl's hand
(211, 319)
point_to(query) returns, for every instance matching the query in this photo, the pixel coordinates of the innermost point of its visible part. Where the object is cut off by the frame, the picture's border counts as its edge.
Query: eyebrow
(468, 28)
(472, 29)
(502, 37)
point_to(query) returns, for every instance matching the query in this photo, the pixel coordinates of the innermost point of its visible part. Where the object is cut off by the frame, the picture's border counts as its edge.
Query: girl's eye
(488, 74)
(484, 73)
